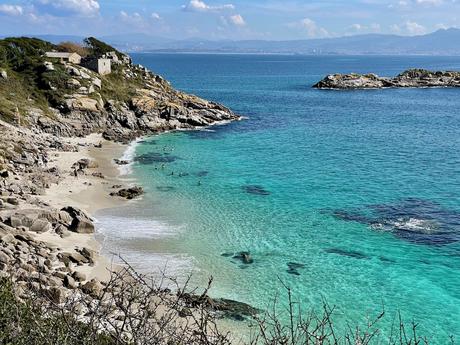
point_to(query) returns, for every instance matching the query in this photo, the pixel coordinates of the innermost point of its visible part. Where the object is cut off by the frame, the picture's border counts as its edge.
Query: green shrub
(98, 48)
(25, 323)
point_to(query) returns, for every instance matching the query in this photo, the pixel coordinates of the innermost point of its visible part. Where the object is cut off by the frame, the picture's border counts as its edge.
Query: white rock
(73, 71)
(85, 75)
(83, 90)
(97, 82)
(49, 66)
(73, 82)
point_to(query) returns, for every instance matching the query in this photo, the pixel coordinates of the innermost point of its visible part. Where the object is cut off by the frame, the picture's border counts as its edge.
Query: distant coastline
(444, 42)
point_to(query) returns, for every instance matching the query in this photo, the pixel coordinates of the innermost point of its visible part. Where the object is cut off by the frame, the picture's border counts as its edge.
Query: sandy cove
(87, 192)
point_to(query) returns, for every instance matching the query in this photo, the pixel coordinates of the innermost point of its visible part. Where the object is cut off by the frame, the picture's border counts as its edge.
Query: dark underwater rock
(352, 216)
(244, 257)
(293, 272)
(202, 173)
(149, 142)
(165, 188)
(256, 190)
(385, 259)
(294, 267)
(155, 157)
(349, 253)
(414, 220)
(221, 307)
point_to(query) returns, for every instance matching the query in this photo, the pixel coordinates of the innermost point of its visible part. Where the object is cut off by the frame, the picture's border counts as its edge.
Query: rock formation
(67, 100)
(71, 100)
(417, 78)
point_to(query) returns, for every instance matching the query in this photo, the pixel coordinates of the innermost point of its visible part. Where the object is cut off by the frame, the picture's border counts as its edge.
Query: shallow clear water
(362, 188)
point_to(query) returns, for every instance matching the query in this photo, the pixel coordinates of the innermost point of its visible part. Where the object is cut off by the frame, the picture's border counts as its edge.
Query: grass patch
(119, 88)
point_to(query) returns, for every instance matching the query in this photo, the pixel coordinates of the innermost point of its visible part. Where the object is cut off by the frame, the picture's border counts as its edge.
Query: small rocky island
(416, 78)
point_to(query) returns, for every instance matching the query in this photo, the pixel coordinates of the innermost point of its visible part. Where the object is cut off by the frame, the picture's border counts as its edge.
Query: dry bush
(135, 309)
(129, 309)
(73, 47)
(310, 328)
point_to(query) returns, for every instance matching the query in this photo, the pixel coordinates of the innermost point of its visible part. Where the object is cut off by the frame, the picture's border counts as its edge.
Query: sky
(227, 19)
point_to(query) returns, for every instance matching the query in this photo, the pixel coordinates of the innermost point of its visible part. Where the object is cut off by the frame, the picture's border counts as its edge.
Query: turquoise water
(361, 189)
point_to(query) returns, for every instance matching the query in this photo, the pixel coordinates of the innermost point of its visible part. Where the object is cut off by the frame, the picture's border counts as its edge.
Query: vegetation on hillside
(29, 84)
(22, 59)
(73, 47)
(98, 48)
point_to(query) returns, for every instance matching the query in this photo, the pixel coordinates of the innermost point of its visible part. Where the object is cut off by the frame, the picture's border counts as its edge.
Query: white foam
(159, 264)
(119, 227)
(118, 236)
(418, 225)
(128, 156)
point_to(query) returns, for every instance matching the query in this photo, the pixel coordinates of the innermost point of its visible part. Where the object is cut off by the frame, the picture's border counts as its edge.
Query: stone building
(65, 57)
(101, 66)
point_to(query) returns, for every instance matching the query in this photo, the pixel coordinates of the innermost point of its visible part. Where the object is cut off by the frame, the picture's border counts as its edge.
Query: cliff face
(67, 99)
(410, 78)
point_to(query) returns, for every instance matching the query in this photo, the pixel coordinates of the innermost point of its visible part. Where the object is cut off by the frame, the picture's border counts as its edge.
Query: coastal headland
(63, 128)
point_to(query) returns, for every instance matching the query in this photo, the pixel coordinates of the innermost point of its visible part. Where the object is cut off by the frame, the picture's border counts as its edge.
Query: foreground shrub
(132, 309)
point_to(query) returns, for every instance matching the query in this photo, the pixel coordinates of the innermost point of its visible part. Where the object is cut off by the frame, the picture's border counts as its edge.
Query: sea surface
(348, 197)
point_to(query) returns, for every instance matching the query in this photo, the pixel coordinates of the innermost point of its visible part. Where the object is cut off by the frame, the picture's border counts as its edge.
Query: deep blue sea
(349, 197)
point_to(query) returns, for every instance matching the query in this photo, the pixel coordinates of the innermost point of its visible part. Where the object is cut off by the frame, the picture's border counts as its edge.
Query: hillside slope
(70, 100)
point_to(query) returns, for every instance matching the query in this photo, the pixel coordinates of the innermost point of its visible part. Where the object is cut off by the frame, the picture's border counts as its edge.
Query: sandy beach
(87, 192)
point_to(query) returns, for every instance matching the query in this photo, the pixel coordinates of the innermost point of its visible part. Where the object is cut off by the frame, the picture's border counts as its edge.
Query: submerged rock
(256, 190)
(349, 253)
(155, 157)
(244, 257)
(222, 308)
(294, 267)
(165, 188)
(202, 173)
(415, 220)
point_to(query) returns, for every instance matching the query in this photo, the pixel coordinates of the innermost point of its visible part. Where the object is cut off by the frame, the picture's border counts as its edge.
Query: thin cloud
(310, 27)
(429, 2)
(374, 27)
(155, 16)
(11, 10)
(201, 6)
(86, 8)
(409, 28)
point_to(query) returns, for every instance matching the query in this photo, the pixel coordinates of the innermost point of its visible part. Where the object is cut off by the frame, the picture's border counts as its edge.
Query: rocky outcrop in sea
(415, 78)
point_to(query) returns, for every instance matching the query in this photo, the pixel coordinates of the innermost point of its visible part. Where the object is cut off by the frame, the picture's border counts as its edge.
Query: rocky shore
(414, 78)
(50, 182)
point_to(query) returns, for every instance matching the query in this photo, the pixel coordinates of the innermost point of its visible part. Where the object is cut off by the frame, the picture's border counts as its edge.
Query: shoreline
(89, 193)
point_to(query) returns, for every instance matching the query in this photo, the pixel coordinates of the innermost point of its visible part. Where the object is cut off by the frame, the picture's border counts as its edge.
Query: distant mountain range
(441, 42)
